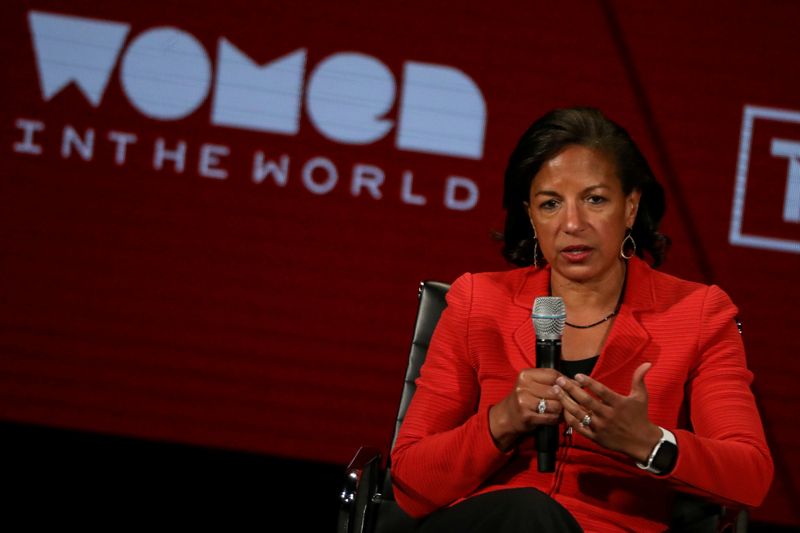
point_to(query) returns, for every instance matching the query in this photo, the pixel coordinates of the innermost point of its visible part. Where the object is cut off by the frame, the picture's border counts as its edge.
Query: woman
(654, 392)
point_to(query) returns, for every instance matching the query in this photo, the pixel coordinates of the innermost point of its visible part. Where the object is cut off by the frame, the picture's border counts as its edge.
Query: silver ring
(542, 407)
(587, 421)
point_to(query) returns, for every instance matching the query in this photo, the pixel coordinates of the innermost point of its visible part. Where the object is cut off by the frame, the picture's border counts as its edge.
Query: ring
(542, 407)
(587, 421)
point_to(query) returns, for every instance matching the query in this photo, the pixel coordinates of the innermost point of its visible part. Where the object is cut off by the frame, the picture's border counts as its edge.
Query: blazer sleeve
(725, 457)
(444, 449)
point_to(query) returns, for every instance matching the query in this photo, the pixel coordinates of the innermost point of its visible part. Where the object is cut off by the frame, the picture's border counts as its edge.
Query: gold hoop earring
(628, 236)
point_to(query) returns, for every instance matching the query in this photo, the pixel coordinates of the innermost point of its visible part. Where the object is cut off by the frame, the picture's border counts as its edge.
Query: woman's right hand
(518, 413)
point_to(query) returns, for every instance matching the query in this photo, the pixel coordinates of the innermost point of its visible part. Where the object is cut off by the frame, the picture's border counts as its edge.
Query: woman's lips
(576, 254)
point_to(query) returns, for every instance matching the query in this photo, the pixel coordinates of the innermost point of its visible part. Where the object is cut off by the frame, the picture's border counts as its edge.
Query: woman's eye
(594, 199)
(549, 204)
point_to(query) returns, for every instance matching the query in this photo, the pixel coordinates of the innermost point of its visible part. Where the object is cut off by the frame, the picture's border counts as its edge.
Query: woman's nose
(573, 217)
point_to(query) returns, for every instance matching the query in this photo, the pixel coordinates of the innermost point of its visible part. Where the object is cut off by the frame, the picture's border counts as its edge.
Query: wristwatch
(664, 455)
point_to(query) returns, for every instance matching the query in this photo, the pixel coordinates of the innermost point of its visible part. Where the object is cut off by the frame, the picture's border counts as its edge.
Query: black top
(582, 366)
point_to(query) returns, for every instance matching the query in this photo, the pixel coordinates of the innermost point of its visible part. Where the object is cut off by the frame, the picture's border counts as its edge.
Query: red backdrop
(160, 279)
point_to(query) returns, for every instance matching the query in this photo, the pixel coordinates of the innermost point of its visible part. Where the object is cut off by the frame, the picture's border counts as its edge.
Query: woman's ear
(632, 207)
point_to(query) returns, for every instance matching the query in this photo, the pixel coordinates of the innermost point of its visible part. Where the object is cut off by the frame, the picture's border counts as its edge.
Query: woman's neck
(590, 297)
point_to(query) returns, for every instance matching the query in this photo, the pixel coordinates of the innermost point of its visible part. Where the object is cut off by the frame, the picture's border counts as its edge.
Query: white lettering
(766, 238)
(454, 183)
(161, 154)
(319, 175)
(75, 49)
(406, 194)
(257, 98)
(262, 169)
(122, 140)
(369, 177)
(442, 111)
(308, 175)
(209, 159)
(166, 73)
(84, 146)
(29, 129)
(347, 95)
(791, 200)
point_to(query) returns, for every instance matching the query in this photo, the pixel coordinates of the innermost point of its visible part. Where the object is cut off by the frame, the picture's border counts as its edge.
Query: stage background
(160, 281)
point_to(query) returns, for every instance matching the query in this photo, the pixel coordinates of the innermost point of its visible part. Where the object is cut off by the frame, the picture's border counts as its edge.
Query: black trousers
(512, 510)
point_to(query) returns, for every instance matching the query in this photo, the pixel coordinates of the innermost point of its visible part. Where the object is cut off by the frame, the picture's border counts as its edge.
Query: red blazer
(699, 388)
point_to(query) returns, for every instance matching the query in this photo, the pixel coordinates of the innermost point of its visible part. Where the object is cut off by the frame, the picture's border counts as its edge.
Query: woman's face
(580, 213)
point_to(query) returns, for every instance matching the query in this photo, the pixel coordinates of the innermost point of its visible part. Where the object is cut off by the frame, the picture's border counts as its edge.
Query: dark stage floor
(66, 477)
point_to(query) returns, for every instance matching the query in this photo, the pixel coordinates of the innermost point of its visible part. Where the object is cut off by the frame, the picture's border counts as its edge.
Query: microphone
(549, 315)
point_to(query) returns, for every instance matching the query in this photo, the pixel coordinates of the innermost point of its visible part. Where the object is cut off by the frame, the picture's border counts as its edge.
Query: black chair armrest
(360, 495)
(693, 514)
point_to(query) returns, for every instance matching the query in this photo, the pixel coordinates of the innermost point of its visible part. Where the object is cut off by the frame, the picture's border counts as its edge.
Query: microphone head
(549, 314)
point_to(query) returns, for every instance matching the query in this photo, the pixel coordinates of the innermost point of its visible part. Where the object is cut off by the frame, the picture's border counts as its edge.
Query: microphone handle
(548, 355)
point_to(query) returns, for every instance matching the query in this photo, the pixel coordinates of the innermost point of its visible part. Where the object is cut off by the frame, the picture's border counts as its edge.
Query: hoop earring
(628, 236)
(535, 246)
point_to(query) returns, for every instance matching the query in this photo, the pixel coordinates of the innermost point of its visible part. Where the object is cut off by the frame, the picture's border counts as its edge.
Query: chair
(367, 503)
(367, 499)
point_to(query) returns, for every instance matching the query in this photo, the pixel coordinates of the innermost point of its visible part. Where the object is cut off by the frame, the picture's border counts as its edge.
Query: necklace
(609, 316)
(593, 324)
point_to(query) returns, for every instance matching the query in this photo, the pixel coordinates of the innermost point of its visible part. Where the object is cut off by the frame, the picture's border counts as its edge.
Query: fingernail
(556, 389)
(580, 378)
(561, 381)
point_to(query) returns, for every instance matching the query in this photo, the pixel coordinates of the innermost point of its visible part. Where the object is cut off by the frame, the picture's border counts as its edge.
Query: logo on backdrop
(766, 200)
(166, 74)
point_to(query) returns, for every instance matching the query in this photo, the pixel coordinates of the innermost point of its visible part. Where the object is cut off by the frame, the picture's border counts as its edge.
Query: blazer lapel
(627, 338)
(536, 283)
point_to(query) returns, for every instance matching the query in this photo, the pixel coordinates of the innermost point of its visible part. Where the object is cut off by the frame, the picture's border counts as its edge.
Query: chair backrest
(391, 519)
(431, 304)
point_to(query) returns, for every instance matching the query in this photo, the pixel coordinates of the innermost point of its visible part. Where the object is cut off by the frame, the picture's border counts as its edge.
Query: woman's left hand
(616, 422)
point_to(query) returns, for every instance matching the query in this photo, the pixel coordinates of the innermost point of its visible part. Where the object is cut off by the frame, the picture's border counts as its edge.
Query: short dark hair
(544, 140)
